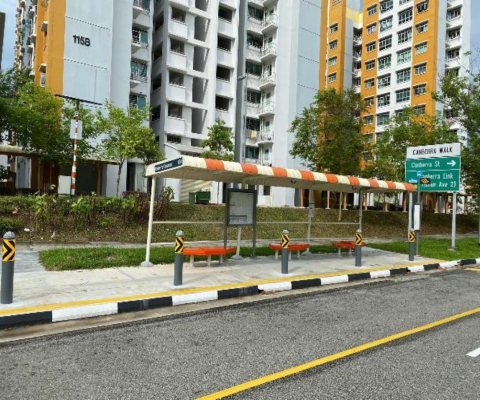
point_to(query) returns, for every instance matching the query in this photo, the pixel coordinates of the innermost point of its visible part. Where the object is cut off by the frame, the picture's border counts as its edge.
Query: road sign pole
(454, 221)
(179, 248)
(358, 248)
(410, 211)
(419, 201)
(8, 267)
(285, 251)
(411, 245)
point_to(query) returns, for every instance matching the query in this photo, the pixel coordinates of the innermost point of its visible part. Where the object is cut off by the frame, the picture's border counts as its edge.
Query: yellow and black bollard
(8, 267)
(285, 251)
(358, 248)
(412, 237)
(179, 248)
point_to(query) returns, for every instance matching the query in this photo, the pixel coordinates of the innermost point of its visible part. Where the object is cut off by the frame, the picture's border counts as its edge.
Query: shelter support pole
(360, 209)
(345, 195)
(147, 263)
(237, 255)
(328, 201)
(311, 209)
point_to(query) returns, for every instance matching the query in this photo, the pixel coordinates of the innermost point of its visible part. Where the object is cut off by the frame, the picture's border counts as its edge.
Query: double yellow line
(325, 360)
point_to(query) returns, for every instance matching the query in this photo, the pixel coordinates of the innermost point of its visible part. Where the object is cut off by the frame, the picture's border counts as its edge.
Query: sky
(9, 7)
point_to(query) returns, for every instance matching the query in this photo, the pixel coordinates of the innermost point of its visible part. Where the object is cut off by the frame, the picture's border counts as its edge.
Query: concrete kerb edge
(98, 310)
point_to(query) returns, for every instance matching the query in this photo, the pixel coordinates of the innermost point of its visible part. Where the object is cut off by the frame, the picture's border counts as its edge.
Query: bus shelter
(196, 168)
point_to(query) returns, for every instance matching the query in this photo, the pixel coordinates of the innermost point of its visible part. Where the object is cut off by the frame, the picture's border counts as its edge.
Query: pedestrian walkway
(38, 288)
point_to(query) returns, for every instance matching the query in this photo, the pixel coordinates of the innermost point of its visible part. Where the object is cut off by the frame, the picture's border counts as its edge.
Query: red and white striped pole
(73, 185)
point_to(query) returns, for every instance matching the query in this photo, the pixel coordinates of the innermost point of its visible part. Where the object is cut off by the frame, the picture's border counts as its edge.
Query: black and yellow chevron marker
(412, 236)
(285, 241)
(8, 250)
(359, 239)
(179, 245)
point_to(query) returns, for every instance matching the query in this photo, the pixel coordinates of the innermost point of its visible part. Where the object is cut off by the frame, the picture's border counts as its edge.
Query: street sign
(438, 167)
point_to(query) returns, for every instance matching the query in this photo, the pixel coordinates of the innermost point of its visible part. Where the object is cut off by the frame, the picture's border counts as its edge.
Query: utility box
(191, 198)
(203, 197)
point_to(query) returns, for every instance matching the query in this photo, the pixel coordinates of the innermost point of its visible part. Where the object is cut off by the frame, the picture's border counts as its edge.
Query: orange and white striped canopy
(196, 168)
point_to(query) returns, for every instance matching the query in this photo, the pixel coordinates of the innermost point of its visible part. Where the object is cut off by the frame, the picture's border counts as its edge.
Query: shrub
(9, 224)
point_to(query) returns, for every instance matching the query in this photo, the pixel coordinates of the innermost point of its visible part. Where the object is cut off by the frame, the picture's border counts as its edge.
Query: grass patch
(437, 248)
(110, 257)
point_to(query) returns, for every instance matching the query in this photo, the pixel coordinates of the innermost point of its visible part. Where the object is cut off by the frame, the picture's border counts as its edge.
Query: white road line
(474, 353)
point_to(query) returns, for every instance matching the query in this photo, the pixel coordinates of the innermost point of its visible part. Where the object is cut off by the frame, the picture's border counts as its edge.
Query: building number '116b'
(81, 40)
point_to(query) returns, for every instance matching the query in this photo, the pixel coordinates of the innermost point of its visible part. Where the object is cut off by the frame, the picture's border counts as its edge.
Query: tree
(461, 96)
(405, 130)
(328, 134)
(126, 135)
(219, 144)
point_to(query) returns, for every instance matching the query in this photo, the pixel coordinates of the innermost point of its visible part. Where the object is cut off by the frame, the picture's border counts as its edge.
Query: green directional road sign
(443, 173)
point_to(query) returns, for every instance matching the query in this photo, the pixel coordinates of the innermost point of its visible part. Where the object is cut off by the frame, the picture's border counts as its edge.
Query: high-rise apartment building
(251, 63)
(394, 52)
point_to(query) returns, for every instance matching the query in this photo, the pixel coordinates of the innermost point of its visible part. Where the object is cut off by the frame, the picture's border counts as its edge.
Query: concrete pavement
(195, 355)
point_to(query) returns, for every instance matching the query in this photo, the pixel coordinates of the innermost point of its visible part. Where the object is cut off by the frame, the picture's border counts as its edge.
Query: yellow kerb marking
(325, 360)
(49, 307)
(473, 269)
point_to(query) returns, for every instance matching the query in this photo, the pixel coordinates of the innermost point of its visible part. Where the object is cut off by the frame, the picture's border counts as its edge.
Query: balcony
(137, 44)
(175, 125)
(254, 25)
(267, 82)
(224, 57)
(357, 55)
(269, 52)
(266, 137)
(178, 28)
(177, 60)
(270, 23)
(225, 28)
(254, 53)
(136, 79)
(177, 93)
(453, 42)
(252, 109)
(140, 7)
(267, 109)
(357, 40)
(224, 88)
(224, 115)
(454, 22)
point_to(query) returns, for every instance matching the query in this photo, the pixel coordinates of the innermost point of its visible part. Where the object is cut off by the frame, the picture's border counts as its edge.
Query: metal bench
(208, 252)
(298, 247)
(346, 244)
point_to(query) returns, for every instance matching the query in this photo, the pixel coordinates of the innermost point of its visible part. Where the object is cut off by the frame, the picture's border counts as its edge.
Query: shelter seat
(298, 247)
(208, 252)
(346, 244)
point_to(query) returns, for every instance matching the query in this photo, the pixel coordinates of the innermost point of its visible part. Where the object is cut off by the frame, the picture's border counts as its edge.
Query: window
(176, 78)
(225, 13)
(422, 27)
(383, 81)
(419, 110)
(332, 61)
(254, 69)
(403, 95)
(252, 124)
(175, 110)
(385, 62)
(383, 119)
(421, 48)
(174, 139)
(369, 101)
(453, 34)
(156, 113)
(454, 14)
(403, 75)
(402, 2)
(453, 72)
(357, 82)
(386, 24)
(371, 29)
(333, 44)
(385, 43)
(266, 190)
(334, 28)
(369, 83)
(251, 152)
(222, 103)
(453, 54)
(138, 101)
(404, 36)
(332, 77)
(368, 120)
(371, 46)
(140, 36)
(369, 65)
(421, 69)
(405, 16)
(254, 41)
(254, 97)
(420, 89)
(404, 56)
(224, 43)
(383, 100)
(372, 10)
(422, 7)
(176, 46)
(386, 5)
(139, 70)
(255, 13)
(178, 15)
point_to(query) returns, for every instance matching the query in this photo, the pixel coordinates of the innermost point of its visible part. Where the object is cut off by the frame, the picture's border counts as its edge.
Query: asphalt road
(191, 356)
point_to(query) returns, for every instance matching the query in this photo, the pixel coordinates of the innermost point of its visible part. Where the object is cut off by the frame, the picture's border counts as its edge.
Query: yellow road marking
(49, 307)
(473, 269)
(325, 360)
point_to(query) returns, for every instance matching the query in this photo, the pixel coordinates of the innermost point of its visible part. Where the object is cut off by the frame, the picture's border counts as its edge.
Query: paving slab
(36, 287)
